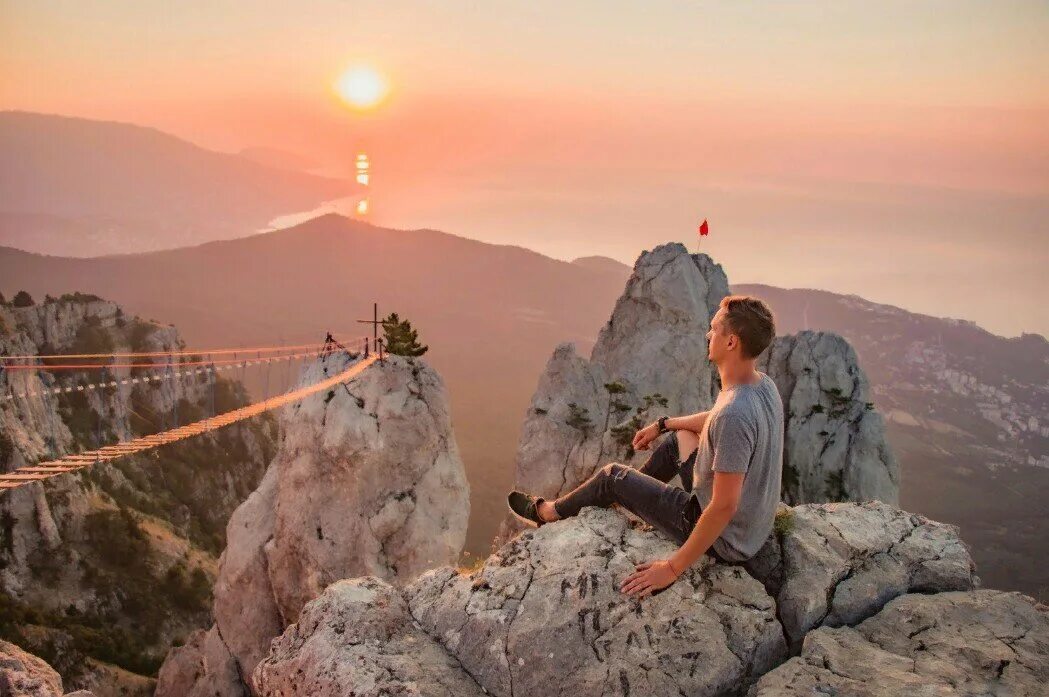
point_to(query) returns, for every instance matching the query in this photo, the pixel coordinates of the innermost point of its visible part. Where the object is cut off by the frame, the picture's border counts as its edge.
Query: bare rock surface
(983, 642)
(24, 675)
(358, 638)
(839, 563)
(202, 667)
(835, 448)
(545, 610)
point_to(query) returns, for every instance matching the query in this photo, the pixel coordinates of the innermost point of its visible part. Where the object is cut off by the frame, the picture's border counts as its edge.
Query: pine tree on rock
(22, 299)
(399, 338)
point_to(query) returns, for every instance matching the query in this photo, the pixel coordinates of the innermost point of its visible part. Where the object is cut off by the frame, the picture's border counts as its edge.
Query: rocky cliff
(101, 570)
(843, 593)
(651, 358)
(834, 445)
(367, 481)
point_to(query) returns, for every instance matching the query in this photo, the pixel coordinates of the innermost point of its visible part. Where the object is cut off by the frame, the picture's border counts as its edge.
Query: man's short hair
(751, 320)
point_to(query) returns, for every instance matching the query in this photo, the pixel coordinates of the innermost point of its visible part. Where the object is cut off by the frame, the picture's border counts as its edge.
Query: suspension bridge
(169, 365)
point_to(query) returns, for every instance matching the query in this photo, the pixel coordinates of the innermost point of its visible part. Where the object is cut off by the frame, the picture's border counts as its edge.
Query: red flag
(704, 230)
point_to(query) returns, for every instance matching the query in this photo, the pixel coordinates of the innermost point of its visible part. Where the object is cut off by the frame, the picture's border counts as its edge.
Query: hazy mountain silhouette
(279, 159)
(77, 187)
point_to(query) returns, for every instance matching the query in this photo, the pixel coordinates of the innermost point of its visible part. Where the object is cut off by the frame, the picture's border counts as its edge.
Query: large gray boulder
(835, 448)
(367, 481)
(202, 667)
(839, 563)
(983, 642)
(545, 610)
(24, 675)
(358, 638)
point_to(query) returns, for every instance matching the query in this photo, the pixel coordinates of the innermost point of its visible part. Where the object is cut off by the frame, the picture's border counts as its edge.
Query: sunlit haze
(361, 87)
(896, 150)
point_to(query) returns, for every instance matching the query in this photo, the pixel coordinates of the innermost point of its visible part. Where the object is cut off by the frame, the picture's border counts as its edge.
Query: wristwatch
(662, 422)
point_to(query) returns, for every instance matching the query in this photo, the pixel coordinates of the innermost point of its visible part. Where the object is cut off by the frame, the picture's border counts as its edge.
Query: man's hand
(650, 576)
(645, 436)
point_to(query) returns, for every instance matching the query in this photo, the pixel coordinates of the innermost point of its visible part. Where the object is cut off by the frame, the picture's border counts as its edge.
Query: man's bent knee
(614, 470)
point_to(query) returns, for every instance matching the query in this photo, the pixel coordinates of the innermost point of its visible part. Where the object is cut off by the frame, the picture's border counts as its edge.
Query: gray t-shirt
(743, 433)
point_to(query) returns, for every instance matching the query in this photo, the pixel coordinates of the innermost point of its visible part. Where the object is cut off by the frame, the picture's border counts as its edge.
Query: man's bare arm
(691, 422)
(712, 521)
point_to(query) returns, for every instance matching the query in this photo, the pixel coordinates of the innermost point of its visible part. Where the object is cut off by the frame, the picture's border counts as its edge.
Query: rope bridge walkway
(72, 463)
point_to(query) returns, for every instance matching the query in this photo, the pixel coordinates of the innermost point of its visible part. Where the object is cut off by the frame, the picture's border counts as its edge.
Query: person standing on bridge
(732, 474)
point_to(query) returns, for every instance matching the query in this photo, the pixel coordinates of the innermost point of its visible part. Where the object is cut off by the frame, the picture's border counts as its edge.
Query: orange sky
(897, 149)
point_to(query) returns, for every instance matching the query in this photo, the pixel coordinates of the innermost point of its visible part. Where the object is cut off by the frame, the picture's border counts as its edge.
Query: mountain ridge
(87, 186)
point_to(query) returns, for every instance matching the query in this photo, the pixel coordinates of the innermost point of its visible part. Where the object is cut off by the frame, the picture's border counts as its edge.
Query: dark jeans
(644, 492)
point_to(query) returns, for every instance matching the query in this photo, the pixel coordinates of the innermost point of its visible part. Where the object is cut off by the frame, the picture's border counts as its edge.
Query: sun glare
(361, 87)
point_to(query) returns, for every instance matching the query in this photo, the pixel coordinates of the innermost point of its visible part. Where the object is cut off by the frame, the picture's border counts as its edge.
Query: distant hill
(77, 187)
(604, 264)
(279, 159)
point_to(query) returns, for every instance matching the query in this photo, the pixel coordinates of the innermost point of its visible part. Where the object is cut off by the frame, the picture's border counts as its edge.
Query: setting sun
(361, 87)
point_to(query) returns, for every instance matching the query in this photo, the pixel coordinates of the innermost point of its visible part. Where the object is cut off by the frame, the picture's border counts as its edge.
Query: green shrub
(189, 591)
(22, 299)
(579, 419)
(399, 338)
(92, 337)
(138, 336)
(783, 523)
(835, 483)
(790, 479)
(79, 297)
(117, 538)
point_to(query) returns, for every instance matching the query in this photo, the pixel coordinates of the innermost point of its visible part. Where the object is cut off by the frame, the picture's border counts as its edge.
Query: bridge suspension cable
(178, 352)
(72, 463)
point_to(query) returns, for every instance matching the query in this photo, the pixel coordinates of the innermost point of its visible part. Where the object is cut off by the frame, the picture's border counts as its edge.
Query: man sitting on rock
(731, 477)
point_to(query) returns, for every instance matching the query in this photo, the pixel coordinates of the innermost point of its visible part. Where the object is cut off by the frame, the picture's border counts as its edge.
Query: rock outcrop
(546, 609)
(834, 445)
(82, 556)
(651, 359)
(360, 633)
(367, 481)
(838, 563)
(202, 667)
(985, 642)
(24, 675)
